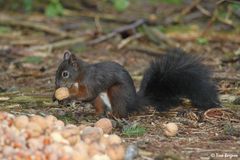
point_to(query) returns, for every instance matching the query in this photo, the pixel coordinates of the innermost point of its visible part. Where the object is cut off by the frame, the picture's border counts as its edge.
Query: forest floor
(32, 46)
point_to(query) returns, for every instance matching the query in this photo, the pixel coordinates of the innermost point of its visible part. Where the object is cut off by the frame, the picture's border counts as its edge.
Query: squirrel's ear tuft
(73, 61)
(67, 55)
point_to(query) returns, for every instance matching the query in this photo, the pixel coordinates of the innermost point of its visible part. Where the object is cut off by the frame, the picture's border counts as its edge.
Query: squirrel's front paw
(65, 102)
(54, 98)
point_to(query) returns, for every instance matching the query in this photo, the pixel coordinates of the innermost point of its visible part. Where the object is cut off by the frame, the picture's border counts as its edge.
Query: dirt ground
(29, 57)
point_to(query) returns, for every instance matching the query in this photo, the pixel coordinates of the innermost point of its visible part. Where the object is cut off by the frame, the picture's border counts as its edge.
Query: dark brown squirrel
(169, 78)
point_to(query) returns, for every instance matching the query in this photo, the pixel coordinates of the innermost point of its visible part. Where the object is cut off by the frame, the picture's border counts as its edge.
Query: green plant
(28, 5)
(33, 59)
(67, 118)
(4, 29)
(235, 6)
(134, 130)
(230, 130)
(120, 5)
(202, 41)
(54, 8)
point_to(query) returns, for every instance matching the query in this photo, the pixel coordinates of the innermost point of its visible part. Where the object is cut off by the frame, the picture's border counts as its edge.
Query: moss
(134, 130)
(67, 119)
(232, 106)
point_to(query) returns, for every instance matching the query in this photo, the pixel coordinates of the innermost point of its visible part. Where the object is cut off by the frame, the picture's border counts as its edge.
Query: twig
(214, 37)
(234, 79)
(185, 11)
(116, 32)
(214, 17)
(98, 25)
(58, 44)
(209, 23)
(190, 17)
(203, 10)
(146, 115)
(189, 8)
(229, 1)
(10, 106)
(231, 60)
(220, 1)
(128, 40)
(158, 37)
(4, 20)
(25, 42)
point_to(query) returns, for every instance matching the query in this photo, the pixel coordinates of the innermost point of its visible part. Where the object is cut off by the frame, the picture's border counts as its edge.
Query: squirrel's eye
(65, 74)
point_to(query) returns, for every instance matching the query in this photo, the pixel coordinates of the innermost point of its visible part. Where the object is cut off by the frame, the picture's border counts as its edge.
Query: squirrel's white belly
(105, 99)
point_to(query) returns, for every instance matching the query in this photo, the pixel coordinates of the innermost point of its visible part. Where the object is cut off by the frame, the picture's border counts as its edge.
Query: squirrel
(170, 77)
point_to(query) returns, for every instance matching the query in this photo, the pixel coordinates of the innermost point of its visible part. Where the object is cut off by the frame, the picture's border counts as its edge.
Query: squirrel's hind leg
(117, 98)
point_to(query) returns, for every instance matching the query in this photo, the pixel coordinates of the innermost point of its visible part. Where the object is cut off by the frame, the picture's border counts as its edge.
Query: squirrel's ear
(73, 61)
(67, 55)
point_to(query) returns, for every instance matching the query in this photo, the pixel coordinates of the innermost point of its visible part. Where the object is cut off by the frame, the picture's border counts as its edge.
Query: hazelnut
(105, 124)
(58, 124)
(81, 147)
(41, 121)
(115, 152)
(21, 122)
(100, 157)
(81, 127)
(95, 149)
(110, 139)
(170, 129)
(58, 138)
(80, 155)
(71, 134)
(62, 93)
(35, 144)
(90, 134)
(50, 120)
(33, 129)
(114, 139)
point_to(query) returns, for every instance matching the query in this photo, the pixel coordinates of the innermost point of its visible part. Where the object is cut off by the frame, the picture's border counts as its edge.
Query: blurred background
(34, 34)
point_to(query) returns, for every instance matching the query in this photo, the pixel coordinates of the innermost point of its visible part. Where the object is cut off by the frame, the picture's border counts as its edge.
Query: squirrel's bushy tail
(177, 75)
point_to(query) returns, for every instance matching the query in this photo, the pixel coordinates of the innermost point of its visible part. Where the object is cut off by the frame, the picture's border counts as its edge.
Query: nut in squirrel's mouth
(62, 93)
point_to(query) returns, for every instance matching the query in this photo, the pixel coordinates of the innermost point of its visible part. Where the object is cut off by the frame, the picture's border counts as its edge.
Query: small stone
(131, 152)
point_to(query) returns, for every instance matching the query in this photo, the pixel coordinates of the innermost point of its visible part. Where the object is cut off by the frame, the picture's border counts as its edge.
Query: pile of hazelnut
(47, 138)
